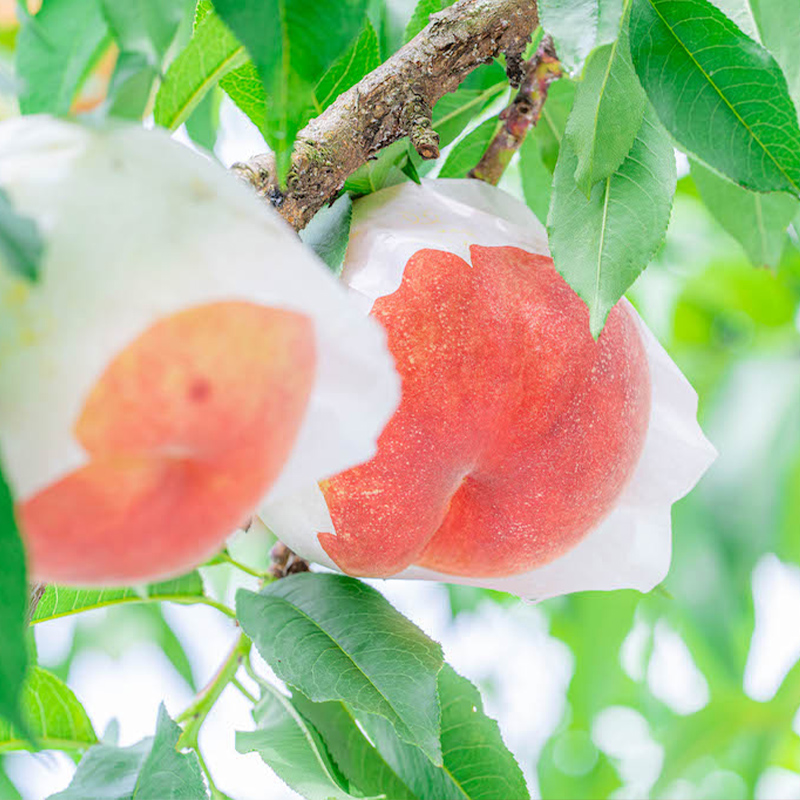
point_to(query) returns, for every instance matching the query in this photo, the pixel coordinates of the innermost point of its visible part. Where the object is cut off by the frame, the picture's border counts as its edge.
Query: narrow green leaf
(203, 123)
(351, 751)
(212, 52)
(573, 26)
(537, 181)
(143, 31)
(420, 17)
(757, 221)
(456, 110)
(147, 27)
(54, 716)
(477, 765)
(549, 133)
(362, 57)
(167, 773)
(609, 15)
(55, 51)
(621, 225)
(740, 12)
(292, 748)
(7, 789)
(245, 88)
(607, 113)
(720, 94)
(335, 638)
(380, 172)
(107, 773)
(291, 50)
(61, 601)
(328, 233)
(149, 770)
(778, 23)
(467, 153)
(131, 86)
(21, 245)
(13, 611)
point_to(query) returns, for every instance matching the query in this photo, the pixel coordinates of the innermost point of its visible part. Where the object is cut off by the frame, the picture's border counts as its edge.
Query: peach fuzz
(181, 358)
(525, 456)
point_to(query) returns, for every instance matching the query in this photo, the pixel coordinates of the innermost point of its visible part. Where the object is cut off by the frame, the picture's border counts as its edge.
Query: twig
(286, 562)
(393, 101)
(521, 114)
(37, 592)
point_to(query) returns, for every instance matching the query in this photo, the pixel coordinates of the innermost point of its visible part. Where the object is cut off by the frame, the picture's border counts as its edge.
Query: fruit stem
(195, 715)
(226, 558)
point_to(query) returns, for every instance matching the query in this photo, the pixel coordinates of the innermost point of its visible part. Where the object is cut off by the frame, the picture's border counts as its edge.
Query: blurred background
(691, 691)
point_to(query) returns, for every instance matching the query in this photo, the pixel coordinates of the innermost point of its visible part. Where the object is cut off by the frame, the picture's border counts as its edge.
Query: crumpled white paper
(136, 227)
(631, 547)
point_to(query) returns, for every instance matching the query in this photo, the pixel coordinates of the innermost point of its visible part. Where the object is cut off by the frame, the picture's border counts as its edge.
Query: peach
(525, 456)
(516, 433)
(184, 429)
(180, 359)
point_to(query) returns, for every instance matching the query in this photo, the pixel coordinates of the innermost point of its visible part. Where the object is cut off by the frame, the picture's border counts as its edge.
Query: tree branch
(394, 101)
(521, 114)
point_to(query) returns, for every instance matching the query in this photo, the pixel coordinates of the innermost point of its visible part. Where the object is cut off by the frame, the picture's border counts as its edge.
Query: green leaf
(212, 52)
(54, 716)
(130, 87)
(165, 772)
(147, 27)
(719, 93)
(757, 221)
(150, 770)
(549, 133)
(107, 773)
(607, 113)
(202, 124)
(292, 748)
(144, 31)
(328, 233)
(290, 50)
(778, 23)
(13, 611)
(347, 71)
(537, 181)
(621, 225)
(573, 26)
(245, 88)
(335, 638)
(467, 153)
(456, 110)
(380, 172)
(609, 15)
(476, 763)
(420, 17)
(7, 789)
(351, 751)
(56, 49)
(61, 601)
(21, 245)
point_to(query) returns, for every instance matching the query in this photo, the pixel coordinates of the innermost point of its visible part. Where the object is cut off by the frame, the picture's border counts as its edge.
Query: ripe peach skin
(516, 433)
(185, 430)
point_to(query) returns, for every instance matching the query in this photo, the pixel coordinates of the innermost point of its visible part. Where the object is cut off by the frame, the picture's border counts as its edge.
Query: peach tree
(256, 386)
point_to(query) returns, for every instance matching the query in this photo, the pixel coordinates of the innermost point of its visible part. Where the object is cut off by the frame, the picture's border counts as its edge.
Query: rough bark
(394, 101)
